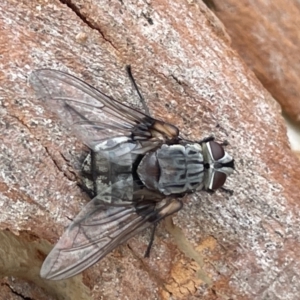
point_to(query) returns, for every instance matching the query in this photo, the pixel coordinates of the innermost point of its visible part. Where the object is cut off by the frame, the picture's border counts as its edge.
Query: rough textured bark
(266, 35)
(243, 246)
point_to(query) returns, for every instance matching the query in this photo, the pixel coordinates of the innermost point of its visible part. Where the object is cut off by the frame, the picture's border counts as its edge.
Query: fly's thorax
(218, 165)
(173, 169)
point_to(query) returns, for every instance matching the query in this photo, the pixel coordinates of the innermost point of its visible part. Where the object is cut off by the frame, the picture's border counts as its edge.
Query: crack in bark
(18, 294)
(155, 277)
(65, 172)
(85, 20)
(54, 161)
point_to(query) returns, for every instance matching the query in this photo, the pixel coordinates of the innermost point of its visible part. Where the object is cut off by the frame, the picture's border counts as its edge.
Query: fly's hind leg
(147, 253)
(145, 107)
(169, 207)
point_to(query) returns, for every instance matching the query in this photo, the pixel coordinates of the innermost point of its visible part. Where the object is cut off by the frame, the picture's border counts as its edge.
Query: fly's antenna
(146, 109)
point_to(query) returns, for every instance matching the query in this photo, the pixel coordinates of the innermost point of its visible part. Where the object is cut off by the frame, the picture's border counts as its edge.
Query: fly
(145, 160)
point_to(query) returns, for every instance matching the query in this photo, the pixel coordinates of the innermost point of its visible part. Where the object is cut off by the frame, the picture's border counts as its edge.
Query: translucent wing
(101, 122)
(97, 230)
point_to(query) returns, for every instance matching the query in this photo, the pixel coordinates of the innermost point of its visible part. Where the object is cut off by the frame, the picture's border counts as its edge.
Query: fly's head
(218, 165)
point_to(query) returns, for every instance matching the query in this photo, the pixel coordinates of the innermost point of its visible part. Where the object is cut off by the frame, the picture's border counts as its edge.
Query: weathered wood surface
(266, 34)
(244, 246)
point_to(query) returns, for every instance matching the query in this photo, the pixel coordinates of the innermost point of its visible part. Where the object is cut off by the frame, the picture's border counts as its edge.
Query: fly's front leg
(227, 191)
(225, 143)
(207, 139)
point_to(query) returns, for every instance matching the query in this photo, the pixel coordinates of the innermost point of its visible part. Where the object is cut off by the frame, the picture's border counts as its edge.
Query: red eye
(217, 150)
(218, 180)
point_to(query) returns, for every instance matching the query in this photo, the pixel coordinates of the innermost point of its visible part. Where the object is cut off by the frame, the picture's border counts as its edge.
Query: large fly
(146, 160)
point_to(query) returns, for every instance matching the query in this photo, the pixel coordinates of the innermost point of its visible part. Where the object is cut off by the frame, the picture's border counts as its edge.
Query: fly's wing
(99, 121)
(97, 230)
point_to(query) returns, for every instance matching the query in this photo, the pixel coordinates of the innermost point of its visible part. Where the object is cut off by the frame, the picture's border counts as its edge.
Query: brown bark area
(218, 246)
(266, 35)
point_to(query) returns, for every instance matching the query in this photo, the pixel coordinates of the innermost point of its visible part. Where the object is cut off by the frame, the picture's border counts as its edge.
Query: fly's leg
(146, 109)
(170, 207)
(227, 191)
(212, 138)
(207, 139)
(147, 253)
(225, 143)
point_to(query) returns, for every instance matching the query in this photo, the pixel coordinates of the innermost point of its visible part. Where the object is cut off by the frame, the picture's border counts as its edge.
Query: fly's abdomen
(173, 169)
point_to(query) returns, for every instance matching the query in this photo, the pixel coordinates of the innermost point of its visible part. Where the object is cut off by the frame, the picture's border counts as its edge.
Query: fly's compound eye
(222, 165)
(216, 150)
(218, 180)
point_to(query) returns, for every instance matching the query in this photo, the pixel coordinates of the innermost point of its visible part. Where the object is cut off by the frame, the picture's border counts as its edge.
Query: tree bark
(266, 35)
(219, 246)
